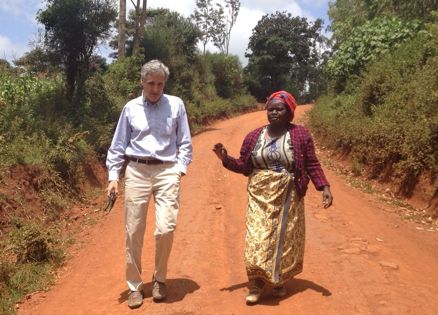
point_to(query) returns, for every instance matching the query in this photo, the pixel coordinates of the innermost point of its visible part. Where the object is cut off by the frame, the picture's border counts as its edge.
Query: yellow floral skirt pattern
(275, 228)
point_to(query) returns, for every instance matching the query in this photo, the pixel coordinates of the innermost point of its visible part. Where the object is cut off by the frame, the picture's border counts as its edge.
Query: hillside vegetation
(381, 108)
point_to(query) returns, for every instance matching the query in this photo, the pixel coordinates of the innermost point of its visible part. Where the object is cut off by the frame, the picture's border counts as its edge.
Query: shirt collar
(146, 102)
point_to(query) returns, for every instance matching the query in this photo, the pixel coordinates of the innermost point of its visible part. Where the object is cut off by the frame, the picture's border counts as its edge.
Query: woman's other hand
(220, 151)
(327, 198)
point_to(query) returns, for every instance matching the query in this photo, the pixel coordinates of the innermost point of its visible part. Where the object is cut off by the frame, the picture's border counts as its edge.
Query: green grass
(19, 280)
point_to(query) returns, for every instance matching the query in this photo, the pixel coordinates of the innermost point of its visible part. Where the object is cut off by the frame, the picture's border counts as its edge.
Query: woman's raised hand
(220, 151)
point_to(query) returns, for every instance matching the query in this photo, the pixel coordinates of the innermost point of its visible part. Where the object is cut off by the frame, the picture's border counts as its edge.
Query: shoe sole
(158, 299)
(251, 303)
(135, 306)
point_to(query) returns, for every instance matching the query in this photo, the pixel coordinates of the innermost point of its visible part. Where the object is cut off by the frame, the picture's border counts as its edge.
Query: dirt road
(361, 258)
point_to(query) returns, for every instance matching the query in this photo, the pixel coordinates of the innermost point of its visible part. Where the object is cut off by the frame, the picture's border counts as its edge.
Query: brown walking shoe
(159, 290)
(135, 299)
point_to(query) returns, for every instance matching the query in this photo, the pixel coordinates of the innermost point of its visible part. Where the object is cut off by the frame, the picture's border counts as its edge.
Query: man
(153, 135)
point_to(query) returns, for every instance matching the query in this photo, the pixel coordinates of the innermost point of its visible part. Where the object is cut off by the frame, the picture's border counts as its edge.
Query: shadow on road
(293, 287)
(177, 290)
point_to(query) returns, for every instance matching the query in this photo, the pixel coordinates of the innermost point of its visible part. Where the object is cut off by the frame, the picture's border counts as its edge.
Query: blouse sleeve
(243, 164)
(313, 167)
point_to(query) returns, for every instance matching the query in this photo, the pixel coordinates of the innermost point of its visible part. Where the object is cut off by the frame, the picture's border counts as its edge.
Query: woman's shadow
(177, 289)
(293, 287)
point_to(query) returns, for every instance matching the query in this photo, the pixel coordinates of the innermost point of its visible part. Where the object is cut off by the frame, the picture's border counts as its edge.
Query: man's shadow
(177, 289)
(292, 287)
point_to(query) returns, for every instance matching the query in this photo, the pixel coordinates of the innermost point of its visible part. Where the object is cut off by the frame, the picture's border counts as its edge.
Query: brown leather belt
(146, 161)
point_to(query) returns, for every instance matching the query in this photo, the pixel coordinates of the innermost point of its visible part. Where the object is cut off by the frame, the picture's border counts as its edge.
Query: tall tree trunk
(139, 26)
(122, 28)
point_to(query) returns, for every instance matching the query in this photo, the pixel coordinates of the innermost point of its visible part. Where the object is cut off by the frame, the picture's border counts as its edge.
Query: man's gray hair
(154, 66)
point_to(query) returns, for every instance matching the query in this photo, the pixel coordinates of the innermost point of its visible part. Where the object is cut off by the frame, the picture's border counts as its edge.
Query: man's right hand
(113, 186)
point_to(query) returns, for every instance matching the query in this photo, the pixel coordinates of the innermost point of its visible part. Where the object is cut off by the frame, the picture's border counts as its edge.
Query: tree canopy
(91, 21)
(281, 51)
(172, 38)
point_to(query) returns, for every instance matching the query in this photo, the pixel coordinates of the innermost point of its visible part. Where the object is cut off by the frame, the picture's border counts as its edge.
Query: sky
(19, 28)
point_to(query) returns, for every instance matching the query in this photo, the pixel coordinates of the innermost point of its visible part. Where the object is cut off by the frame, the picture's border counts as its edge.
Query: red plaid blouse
(306, 163)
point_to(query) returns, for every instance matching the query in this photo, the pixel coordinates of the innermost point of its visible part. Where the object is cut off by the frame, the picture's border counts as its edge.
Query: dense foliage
(381, 109)
(366, 43)
(346, 15)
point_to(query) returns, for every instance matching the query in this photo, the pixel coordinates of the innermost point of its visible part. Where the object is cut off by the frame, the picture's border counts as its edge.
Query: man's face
(153, 86)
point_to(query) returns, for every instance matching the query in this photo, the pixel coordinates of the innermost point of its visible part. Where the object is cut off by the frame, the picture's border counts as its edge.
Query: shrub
(32, 243)
(388, 121)
(368, 43)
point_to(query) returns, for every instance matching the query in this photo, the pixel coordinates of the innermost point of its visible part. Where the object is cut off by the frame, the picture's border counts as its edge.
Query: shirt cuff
(113, 175)
(181, 167)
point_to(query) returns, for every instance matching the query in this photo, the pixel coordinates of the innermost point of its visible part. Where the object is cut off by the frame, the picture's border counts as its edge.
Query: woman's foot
(255, 291)
(279, 292)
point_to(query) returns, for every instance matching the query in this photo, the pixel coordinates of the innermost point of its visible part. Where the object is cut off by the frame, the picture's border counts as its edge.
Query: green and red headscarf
(285, 98)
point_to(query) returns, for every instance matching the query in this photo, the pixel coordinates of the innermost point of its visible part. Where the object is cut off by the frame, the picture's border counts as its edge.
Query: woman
(279, 159)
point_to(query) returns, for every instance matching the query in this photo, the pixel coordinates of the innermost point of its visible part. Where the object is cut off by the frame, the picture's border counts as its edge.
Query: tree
(172, 38)
(122, 30)
(140, 20)
(222, 34)
(282, 52)
(227, 72)
(209, 20)
(38, 60)
(73, 30)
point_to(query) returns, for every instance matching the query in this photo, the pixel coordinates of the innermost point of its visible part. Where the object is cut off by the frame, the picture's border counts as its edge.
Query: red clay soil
(361, 257)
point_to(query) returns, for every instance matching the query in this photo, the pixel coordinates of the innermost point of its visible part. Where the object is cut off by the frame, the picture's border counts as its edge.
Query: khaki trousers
(163, 182)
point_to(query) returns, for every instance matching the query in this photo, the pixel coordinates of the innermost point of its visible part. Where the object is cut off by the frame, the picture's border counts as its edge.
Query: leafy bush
(388, 121)
(122, 80)
(17, 98)
(227, 73)
(367, 43)
(18, 280)
(26, 262)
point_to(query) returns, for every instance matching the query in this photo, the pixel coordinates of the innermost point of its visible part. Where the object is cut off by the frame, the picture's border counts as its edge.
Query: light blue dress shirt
(146, 130)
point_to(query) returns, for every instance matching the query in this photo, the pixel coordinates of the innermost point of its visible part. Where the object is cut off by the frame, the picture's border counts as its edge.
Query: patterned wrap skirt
(275, 228)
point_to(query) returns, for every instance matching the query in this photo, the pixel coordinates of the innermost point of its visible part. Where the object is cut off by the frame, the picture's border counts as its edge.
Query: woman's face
(278, 113)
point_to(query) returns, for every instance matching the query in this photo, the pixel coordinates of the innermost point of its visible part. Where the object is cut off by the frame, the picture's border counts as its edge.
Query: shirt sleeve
(183, 140)
(116, 152)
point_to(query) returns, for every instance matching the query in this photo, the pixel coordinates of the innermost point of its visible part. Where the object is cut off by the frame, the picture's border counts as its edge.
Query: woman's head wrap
(285, 98)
